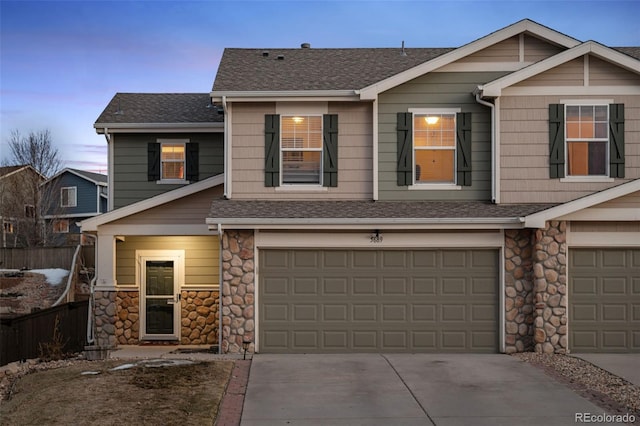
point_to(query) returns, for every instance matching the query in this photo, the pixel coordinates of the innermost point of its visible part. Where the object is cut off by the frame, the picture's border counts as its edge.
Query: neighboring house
(20, 206)
(72, 195)
(478, 199)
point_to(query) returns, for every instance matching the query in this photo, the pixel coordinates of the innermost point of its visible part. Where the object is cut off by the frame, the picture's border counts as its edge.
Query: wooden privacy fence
(22, 337)
(43, 257)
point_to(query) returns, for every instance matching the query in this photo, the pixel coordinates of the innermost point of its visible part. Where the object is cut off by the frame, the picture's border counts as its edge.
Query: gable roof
(538, 219)
(6, 171)
(130, 110)
(311, 69)
(494, 88)
(95, 178)
(92, 224)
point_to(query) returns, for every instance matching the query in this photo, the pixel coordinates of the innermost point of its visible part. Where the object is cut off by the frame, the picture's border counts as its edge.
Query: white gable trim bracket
(537, 220)
(494, 88)
(372, 91)
(93, 223)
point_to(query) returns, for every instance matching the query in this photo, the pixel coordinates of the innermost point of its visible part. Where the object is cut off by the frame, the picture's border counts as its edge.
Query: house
(19, 204)
(72, 195)
(484, 198)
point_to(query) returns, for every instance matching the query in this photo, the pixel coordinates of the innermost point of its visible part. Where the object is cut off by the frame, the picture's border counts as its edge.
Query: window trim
(60, 221)
(8, 224)
(73, 203)
(586, 178)
(172, 141)
(436, 185)
(320, 150)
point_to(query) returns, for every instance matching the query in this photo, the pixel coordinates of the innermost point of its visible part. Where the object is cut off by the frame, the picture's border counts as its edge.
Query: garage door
(604, 300)
(378, 301)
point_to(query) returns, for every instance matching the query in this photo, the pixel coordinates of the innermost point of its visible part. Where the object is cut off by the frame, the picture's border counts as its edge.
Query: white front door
(160, 277)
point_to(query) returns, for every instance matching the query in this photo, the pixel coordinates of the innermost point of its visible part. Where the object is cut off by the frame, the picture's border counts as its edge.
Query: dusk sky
(62, 61)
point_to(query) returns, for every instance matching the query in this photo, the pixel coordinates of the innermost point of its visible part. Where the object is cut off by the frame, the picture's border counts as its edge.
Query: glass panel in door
(159, 295)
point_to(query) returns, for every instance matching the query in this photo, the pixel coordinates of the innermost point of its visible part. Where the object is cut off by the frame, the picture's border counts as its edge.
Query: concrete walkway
(405, 389)
(626, 366)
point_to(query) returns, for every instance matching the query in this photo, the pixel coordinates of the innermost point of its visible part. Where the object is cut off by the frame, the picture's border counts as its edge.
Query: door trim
(177, 257)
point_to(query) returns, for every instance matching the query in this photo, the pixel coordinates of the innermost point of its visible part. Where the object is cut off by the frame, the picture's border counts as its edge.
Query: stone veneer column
(519, 296)
(550, 287)
(105, 318)
(238, 291)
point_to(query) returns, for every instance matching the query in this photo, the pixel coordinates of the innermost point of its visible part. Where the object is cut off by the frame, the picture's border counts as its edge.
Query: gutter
(493, 141)
(227, 154)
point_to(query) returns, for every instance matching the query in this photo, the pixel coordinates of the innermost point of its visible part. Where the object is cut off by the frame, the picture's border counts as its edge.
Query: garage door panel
(411, 308)
(604, 300)
(306, 259)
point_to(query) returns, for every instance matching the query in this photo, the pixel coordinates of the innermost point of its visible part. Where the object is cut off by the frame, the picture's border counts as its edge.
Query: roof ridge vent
(305, 45)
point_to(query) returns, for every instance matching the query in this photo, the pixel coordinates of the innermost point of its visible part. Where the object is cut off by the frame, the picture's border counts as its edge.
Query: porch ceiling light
(431, 120)
(298, 120)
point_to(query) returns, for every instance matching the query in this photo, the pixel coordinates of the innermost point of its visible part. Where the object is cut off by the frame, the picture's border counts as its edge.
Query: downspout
(110, 185)
(227, 154)
(493, 142)
(220, 289)
(91, 337)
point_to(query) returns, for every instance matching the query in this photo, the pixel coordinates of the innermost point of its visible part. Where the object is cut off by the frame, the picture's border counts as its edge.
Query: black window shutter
(463, 142)
(330, 150)
(192, 162)
(556, 141)
(153, 161)
(616, 140)
(405, 148)
(271, 150)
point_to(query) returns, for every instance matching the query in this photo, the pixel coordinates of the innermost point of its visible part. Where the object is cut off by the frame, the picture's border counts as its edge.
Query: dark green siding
(436, 90)
(130, 164)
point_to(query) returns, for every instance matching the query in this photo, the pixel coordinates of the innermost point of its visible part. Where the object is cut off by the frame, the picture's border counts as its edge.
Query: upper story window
(587, 139)
(68, 196)
(301, 151)
(172, 162)
(7, 227)
(434, 148)
(301, 148)
(29, 211)
(61, 226)
(434, 144)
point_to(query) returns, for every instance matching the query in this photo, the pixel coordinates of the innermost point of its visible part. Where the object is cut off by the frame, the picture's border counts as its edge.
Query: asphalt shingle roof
(160, 108)
(256, 209)
(314, 69)
(97, 177)
(634, 52)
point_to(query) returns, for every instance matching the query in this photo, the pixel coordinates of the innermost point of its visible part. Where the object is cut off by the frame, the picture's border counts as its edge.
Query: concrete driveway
(405, 389)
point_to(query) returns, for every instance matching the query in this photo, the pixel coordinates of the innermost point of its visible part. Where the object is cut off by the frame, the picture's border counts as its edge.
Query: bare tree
(29, 204)
(37, 150)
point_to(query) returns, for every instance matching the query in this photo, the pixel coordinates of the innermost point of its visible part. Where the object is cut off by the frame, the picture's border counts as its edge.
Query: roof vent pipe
(265, 53)
(280, 57)
(403, 52)
(305, 46)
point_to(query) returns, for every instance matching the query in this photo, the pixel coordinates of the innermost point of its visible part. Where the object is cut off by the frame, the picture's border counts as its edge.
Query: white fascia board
(193, 188)
(70, 215)
(372, 91)
(158, 229)
(249, 95)
(605, 214)
(158, 127)
(494, 88)
(538, 220)
(360, 223)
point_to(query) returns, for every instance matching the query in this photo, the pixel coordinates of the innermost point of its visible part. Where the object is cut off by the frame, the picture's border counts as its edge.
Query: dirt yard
(93, 393)
(19, 295)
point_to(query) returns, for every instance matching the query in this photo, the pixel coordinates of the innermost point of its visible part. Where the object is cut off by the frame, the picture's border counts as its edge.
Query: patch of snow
(89, 373)
(53, 276)
(123, 367)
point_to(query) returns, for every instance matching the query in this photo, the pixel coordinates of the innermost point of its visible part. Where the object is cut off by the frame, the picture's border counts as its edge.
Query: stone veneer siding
(550, 286)
(117, 316)
(519, 296)
(536, 289)
(238, 291)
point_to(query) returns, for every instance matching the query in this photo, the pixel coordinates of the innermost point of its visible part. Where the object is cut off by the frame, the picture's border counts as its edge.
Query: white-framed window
(68, 196)
(61, 226)
(301, 149)
(29, 210)
(7, 227)
(172, 160)
(434, 146)
(587, 140)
